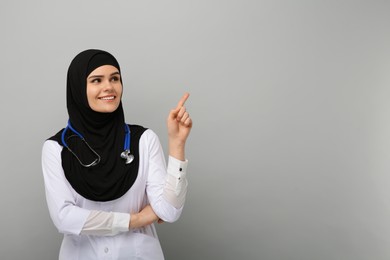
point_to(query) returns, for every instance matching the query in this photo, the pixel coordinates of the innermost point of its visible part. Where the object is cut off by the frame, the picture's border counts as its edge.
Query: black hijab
(105, 133)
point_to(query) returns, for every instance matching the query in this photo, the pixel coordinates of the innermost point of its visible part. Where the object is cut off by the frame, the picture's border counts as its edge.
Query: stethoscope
(126, 154)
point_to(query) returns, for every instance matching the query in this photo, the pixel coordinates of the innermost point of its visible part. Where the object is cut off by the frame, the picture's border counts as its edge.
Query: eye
(115, 78)
(95, 80)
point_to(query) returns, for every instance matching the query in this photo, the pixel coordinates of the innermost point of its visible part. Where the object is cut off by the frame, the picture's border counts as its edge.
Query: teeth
(107, 98)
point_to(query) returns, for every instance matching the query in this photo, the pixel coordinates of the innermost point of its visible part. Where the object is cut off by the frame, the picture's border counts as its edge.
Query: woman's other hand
(143, 218)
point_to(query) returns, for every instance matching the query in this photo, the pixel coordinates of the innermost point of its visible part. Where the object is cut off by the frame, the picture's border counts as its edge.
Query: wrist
(134, 219)
(177, 151)
(175, 142)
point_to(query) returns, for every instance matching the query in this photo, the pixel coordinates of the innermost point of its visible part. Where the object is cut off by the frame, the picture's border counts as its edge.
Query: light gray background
(290, 151)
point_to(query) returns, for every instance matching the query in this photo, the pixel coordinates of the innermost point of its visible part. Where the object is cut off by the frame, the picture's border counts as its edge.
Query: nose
(108, 86)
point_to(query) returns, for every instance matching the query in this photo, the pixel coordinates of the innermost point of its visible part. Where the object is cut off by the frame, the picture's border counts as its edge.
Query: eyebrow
(101, 76)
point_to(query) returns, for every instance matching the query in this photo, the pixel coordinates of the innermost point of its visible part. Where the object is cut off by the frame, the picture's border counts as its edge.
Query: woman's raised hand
(179, 125)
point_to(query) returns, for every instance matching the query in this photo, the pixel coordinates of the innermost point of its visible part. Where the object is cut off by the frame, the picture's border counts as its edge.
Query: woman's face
(104, 89)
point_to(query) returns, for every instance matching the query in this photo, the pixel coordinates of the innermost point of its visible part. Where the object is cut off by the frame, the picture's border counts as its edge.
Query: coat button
(106, 250)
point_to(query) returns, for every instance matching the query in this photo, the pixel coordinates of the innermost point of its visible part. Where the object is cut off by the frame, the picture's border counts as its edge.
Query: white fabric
(176, 183)
(78, 217)
(100, 223)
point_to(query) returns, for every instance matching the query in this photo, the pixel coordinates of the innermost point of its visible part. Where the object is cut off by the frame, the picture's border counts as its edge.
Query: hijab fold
(104, 132)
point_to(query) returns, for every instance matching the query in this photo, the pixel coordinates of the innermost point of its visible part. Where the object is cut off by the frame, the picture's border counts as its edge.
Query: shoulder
(149, 134)
(51, 145)
(149, 139)
(51, 148)
(51, 156)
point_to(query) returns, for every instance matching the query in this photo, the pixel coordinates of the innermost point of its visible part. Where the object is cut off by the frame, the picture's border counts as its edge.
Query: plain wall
(290, 149)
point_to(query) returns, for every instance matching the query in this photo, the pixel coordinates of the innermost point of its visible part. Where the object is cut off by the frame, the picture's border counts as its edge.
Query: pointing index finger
(182, 100)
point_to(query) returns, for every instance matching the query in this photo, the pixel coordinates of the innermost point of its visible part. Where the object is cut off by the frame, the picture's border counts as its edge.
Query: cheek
(119, 90)
(91, 93)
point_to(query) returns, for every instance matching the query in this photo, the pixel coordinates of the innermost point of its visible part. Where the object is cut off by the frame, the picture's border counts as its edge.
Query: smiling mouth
(107, 98)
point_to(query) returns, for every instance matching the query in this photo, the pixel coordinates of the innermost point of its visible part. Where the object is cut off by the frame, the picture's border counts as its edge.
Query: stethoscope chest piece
(127, 156)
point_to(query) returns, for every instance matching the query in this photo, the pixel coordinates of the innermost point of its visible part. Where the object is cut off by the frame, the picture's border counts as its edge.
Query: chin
(105, 109)
(110, 110)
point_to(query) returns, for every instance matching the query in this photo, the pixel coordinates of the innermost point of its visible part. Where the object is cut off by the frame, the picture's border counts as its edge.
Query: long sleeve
(166, 186)
(68, 218)
(61, 201)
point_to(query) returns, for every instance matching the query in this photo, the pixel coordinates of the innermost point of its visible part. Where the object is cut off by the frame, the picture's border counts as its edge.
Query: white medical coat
(69, 211)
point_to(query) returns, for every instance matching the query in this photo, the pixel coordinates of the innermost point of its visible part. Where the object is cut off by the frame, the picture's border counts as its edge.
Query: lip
(107, 98)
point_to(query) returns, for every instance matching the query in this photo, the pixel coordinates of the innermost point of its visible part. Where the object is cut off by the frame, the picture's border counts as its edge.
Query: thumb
(173, 114)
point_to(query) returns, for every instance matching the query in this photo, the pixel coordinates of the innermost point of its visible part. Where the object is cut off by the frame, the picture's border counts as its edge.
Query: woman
(106, 181)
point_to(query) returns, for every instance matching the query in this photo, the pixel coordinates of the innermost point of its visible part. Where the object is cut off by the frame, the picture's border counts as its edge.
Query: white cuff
(121, 222)
(175, 189)
(176, 167)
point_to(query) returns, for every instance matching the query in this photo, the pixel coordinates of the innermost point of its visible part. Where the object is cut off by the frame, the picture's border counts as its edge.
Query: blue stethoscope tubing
(126, 154)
